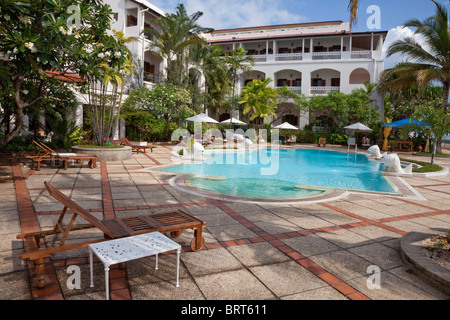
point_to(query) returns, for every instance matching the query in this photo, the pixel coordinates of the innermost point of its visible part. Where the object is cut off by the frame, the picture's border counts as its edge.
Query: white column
(303, 46)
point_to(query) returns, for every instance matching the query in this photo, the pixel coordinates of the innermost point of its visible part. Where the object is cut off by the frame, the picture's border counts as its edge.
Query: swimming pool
(301, 173)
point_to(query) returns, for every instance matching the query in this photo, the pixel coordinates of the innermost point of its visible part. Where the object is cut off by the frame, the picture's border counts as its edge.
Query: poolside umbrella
(357, 126)
(233, 121)
(398, 124)
(202, 118)
(286, 126)
(405, 122)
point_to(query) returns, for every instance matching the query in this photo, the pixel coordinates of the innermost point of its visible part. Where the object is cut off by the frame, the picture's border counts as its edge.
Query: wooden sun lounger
(47, 154)
(136, 148)
(173, 222)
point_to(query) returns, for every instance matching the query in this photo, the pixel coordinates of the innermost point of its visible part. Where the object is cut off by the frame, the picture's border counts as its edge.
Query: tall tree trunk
(18, 112)
(446, 89)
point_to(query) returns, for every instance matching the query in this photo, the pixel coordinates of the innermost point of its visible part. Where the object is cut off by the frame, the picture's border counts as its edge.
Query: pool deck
(304, 251)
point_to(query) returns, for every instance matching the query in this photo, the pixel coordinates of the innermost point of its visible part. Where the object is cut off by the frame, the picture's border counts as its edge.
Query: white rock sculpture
(374, 151)
(198, 150)
(393, 164)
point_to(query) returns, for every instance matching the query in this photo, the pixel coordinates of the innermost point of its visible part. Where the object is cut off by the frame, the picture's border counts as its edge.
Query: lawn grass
(426, 166)
(440, 154)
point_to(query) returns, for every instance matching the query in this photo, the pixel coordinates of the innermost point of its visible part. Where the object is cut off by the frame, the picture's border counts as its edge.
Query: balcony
(295, 89)
(334, 55)
(316, 56)
(315, 90)
(288, 57)
(363, 54)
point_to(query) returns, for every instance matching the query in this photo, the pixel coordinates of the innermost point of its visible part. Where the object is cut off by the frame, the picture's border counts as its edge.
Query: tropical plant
(163, 101)
(174, 34)
(353, 6)
(438, 119)
(105, 81)
(259, 99)
(344, 109)
(430, 62)
(238, 61)
(38, 36)
(211, 62)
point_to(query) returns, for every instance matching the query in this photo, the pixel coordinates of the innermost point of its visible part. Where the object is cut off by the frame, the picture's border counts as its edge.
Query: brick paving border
(119, 285)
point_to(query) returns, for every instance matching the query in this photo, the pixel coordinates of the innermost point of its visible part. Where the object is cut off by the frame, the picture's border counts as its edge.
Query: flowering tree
(106, 61)
(39, 36)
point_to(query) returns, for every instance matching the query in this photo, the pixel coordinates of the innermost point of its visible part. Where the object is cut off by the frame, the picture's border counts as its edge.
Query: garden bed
(437, 248)
(426, 167)
(109, 153)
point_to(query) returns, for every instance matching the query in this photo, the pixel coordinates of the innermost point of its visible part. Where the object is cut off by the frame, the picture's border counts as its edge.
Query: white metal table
(131, 248)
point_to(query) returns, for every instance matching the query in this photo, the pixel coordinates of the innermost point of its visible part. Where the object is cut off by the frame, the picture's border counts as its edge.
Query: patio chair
(352, 142)
(50, 155)
(135, 146)
(173, 222)
(291, 140)
(322, 142)
(366, 143)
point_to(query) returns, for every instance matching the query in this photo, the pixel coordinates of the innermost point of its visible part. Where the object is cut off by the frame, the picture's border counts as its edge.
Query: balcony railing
(324, 90)
(331, 55)
(326, 55)
(259, 57)
(288, 57)
(361, 55)
(295, 89)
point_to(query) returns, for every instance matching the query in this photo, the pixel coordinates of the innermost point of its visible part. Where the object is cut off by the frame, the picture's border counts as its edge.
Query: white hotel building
(311, 58)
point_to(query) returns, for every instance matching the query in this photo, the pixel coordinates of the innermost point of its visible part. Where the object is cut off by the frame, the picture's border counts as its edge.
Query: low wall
(116, 154)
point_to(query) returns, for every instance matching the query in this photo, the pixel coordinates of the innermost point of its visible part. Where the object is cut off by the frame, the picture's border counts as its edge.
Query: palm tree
(175, 33)
(353, 8)
(211, 62)
(259, 99)
(431, 65)
(238, 61)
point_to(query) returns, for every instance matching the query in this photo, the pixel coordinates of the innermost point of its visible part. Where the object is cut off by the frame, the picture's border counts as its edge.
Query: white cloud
(220, 14)
(394, 35)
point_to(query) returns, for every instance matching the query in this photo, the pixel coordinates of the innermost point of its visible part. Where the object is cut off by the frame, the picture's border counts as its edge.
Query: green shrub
(337, 138)
(19, 144)
(306, 136)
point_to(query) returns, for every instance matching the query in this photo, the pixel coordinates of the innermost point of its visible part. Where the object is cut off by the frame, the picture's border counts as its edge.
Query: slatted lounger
(136, 147)
(47, 154)
(173, 222)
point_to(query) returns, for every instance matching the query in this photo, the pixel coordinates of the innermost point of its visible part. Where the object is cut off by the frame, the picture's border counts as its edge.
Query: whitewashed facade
(311, 58)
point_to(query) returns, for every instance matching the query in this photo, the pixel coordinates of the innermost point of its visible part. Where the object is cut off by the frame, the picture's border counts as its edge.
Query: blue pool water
(320, 168)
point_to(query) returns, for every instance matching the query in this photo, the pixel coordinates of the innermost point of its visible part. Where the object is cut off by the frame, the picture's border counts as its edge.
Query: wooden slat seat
(47, 154)
(173, 222)
(136, 148)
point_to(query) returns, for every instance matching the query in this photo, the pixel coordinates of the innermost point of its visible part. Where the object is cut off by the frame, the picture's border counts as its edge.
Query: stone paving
(318, 251)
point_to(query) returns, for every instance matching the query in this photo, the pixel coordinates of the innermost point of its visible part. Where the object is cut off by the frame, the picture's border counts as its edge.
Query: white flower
(117, 54)
(25, 20)
(30, 45)
(62, 30)
(101, 55)
(89, 48)
(108, 54)
(25, 91)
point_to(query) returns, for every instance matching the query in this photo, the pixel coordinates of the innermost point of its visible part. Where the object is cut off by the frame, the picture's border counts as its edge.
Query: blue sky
(222, 14)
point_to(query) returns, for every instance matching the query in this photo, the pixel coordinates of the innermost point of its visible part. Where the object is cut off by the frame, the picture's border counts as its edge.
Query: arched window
(359, 76)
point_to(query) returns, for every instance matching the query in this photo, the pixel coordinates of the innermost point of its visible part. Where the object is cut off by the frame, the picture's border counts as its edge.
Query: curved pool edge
(402, 189)
(179, 182)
